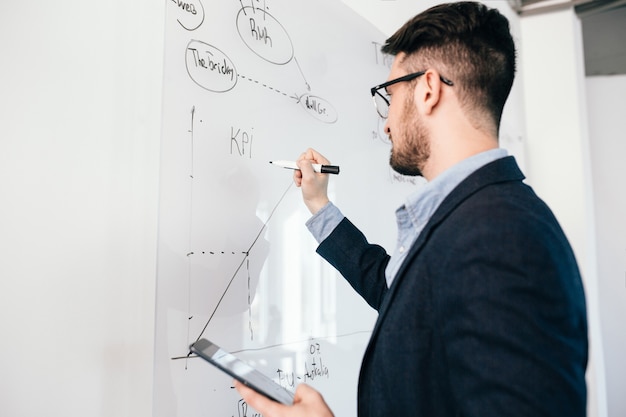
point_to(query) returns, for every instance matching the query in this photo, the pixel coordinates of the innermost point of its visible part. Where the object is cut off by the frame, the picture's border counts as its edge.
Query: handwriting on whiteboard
(212, 69)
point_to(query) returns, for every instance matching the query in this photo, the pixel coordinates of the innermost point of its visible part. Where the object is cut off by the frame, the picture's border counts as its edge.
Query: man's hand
(314, 185)
(307, 403)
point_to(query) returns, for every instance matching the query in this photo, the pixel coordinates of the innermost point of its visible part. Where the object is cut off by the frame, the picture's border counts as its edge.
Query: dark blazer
(486, 316)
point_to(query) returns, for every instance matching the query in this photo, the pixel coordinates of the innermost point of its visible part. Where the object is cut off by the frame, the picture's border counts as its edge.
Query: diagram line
(249, 302)
(189, 253)
(274, 89)
(278, 345)
(308, 87)
(247, 253)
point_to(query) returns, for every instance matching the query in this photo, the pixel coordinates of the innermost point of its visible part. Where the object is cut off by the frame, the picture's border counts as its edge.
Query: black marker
(324, 169)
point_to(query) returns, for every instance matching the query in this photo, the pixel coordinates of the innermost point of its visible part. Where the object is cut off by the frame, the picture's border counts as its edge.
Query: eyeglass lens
(382, 103)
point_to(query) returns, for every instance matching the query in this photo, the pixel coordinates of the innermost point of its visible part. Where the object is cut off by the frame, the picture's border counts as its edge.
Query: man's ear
(429, 93)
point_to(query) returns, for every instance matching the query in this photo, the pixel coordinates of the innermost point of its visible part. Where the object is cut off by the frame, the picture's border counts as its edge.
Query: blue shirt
(417, 210)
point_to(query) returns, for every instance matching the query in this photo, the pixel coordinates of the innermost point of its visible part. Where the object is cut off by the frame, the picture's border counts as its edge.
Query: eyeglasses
(381, 98)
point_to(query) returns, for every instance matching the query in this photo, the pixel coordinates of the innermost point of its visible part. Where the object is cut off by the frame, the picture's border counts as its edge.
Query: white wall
(607, 127)
(80, 94)
(558, 162)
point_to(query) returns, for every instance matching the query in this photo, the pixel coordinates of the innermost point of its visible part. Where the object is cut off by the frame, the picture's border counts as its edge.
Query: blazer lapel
(501, 170)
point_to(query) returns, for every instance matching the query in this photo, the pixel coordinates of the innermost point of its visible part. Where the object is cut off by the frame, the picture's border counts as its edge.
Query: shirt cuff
(322, 224)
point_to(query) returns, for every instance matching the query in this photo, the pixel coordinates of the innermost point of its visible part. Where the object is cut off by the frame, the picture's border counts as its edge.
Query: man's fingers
(260, 402)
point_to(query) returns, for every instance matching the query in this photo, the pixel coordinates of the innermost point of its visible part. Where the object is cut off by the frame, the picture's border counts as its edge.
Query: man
(481, 307)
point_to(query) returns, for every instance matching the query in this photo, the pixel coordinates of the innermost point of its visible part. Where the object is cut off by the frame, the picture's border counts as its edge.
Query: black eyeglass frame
(408, 77)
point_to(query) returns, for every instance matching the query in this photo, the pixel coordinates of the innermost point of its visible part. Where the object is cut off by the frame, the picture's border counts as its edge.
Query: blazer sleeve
(361, 263)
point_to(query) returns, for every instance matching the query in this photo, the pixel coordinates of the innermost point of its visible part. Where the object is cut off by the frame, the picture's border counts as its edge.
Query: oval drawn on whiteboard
(319, 108)
(209, 67)
(189, 13)
(264, 35)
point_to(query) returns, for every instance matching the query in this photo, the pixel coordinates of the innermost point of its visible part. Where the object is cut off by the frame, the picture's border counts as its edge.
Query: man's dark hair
(468, 43)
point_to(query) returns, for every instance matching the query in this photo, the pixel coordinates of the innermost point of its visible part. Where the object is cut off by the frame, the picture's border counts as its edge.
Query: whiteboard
(246, 82)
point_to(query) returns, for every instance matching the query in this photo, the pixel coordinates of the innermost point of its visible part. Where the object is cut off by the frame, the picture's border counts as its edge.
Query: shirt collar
(421, 204)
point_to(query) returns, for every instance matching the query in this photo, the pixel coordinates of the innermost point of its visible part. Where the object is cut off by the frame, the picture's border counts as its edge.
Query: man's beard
(410, 155)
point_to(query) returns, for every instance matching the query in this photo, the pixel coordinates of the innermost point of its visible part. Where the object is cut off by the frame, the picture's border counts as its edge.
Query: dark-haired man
(481, 306)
